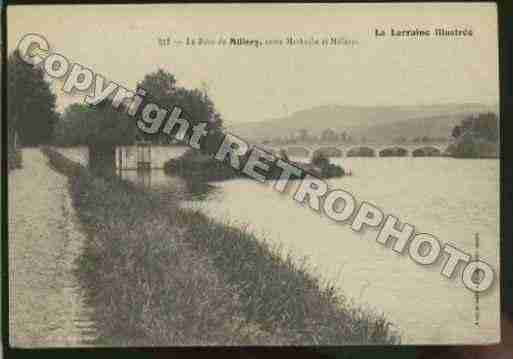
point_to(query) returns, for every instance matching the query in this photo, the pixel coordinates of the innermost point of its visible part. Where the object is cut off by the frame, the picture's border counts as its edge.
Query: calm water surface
(451, 199)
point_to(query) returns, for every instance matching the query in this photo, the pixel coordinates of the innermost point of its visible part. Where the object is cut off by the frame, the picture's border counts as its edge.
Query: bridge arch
(395, 151)
(427, 151)
(298, 151)
(449, 150)
(361, 151)
(329, 152)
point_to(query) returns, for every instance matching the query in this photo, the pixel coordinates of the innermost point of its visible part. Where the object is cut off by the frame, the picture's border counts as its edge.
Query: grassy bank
(160, 275)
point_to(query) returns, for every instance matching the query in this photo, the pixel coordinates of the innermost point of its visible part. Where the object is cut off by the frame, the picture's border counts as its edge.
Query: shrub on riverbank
(161, 275)
(476, 137)
(199, 167)
(468, 147)
(325, 168)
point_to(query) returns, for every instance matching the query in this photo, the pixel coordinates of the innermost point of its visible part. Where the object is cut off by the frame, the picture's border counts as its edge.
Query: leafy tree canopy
(485, 127)
(83, 124)
(161, 88)
(476, 137)
(101, 124)
(30, 102)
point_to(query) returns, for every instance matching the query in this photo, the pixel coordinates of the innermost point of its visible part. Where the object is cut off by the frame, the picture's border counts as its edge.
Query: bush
(328, 170)
(320, 160)
(468, 147)
(197, 167)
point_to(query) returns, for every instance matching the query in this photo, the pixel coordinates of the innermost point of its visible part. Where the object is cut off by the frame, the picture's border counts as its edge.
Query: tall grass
(279, 291)
(161, 275)
(147, 286)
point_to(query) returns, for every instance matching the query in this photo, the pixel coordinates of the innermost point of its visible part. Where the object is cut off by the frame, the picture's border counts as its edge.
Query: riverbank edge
(234, 289)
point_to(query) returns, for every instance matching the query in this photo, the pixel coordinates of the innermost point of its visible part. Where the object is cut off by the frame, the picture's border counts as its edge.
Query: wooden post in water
(102, 159)
(143, 156)
(120, 158)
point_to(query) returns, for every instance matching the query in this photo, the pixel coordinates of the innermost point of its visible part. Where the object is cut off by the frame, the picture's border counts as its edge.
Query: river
(451, 199)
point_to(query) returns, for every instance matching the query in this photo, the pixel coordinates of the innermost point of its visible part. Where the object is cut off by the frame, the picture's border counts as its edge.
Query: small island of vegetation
(202, 167)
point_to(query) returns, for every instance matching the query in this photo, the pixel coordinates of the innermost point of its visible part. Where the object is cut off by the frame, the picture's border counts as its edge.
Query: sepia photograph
(253, 175)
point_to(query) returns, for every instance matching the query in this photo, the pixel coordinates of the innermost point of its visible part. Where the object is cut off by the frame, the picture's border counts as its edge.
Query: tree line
(304, 136)
(32, 113)
(331, 136)
(30, 103)
(103, 125)
(33, 117)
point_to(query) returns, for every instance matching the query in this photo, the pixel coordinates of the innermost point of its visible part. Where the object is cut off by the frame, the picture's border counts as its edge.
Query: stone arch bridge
(365, 150)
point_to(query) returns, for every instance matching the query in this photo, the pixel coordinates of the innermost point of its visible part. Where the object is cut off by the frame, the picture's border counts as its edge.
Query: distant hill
(374, 123)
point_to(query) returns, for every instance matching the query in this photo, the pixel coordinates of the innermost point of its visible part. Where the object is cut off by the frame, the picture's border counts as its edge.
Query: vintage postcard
(253, 174)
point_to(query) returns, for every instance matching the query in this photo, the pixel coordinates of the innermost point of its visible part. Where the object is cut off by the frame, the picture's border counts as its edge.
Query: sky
(255, 84)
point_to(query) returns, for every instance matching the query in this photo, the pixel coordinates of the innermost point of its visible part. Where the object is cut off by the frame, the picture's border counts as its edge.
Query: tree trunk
(102, 160)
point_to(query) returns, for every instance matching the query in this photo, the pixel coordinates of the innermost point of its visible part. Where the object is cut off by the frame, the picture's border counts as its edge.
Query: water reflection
(167, 185)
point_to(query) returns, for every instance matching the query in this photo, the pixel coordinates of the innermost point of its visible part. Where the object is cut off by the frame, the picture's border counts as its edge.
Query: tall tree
(30, 102)
(161, 88)
(476, 136)
(485, 126)
(101, 128)
(95, 125)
